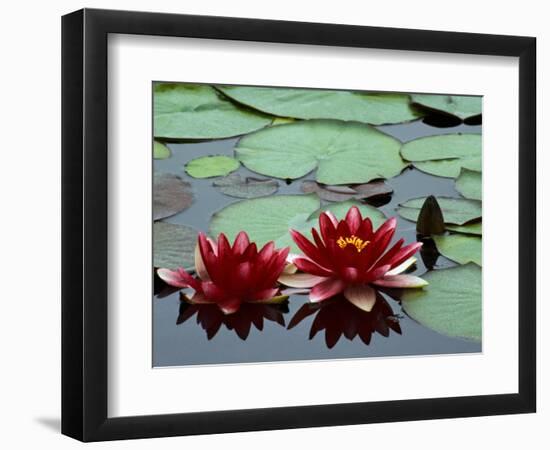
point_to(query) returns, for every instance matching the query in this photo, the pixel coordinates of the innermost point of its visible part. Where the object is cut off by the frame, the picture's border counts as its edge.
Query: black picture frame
(84, 224)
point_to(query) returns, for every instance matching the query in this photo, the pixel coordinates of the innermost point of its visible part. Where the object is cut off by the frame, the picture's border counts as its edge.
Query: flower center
(353, 240)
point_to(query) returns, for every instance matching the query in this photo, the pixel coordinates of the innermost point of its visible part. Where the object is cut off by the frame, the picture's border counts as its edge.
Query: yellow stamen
(358, 243)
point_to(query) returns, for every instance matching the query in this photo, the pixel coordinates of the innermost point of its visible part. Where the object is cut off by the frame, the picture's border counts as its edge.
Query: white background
(30, 238)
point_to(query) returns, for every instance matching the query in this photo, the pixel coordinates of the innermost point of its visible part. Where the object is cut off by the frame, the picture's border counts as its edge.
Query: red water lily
(231, 275)
(349, 256)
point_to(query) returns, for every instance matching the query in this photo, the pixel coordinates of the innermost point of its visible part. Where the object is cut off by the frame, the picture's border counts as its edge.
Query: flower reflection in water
(341, 318)
(211, 318)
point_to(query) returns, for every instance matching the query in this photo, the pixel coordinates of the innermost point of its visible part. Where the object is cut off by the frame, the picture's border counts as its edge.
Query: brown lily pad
(246, 187)
(170, 195)
(337, 193)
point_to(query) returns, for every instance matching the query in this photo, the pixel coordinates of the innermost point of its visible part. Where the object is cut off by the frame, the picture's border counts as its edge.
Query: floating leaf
(211, 166)
(342, 152)
(456, 211)
(340, 193)
(188, 111)
(462, 106)
(160, 151)
(430, 219)
(444, 155)
(469, 228)
(236, 186)
(170, 195)
(460, 248)
(270, 218)
(366, 107)
(173, 245)
(450, 304)
(469, 184)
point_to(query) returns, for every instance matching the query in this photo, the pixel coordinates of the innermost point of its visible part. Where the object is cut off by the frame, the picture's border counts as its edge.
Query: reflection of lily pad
(456, 211)
(450, 304)
(173, 245)
(469, 184)
(187, 111)
(372, 108)
(461, 106)
(270, 218)
(170, 195)
(460, 248)
(236, 186)
(444, 155)
(342, 152)
(160, 151)
(211, 166)
(341, 193)
(469, 228)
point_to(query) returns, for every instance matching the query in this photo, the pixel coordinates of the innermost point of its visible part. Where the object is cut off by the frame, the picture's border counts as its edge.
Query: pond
(185, 334)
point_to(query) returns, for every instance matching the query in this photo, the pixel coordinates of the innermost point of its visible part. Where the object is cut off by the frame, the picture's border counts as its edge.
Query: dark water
(204, 338)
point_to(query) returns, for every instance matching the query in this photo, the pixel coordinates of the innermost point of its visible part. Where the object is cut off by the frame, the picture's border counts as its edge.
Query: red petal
(308, 266)
(200, 268)
(365, 230)
(264, 295)
(230, 306)
(241, 243)
(405, 253)
(224, 249)
(362, 296)
(401, 281)
(327, 227)
(351, 274)
(212, 292)
(388, 225)
(199, 299)
(378, 273)
(173, 278)
(318, 241)
(326, 289)
(386, 258)
(332, 217)
(308, 248)
(354, 219)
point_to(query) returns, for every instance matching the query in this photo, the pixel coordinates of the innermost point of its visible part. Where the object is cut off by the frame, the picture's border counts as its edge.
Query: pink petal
(178, 278)
(362, 296)
(198, 299)
(401, 281)
(326, 289)
(200, 268)
(401, 267)
(300, 280)
(354, 219)
(306, 265)
(241, 243)
(290, 269)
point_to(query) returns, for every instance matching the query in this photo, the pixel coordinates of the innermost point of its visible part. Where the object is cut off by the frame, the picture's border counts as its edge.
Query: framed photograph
(273, 224)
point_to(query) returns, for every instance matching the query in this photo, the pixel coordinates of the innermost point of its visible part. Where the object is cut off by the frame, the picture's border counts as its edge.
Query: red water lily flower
(231, 275)
(349, 256)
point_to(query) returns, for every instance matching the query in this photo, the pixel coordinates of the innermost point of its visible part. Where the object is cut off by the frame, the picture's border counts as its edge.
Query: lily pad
(189, 111)
(469, 184)
(469, 228)
(366, 107)
(339, 193)
(461, 106)
(460, 248)
(161, 151)
(450, 304)
(270, 218)
(456, 211)
(236, 186)
(444, 155)
(211, 166)
(170, 195)
(173, 245)
(342, 152)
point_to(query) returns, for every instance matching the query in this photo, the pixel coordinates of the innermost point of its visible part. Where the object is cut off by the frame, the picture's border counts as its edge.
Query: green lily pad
(342, 152)
(450, 304)
(236, 186)
(460, 248)
(170, 195)
(461, 106)
(469, 228)
(444, 155)
(211, 166)
(456, 211)
(469, 184)
(270, 218)
(173, 246)
(161, 151)
(190, 111)
(366, 107)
